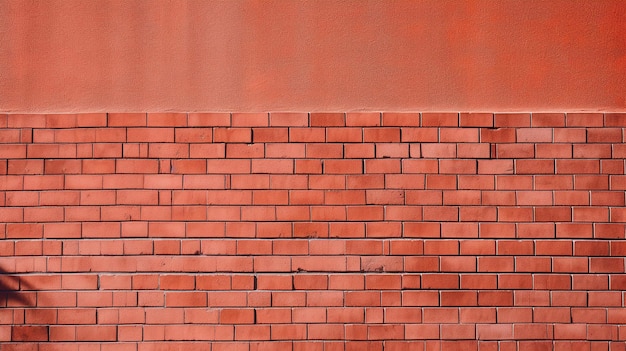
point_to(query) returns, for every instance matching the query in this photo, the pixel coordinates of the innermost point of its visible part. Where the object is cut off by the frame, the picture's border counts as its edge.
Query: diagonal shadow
(11, 291)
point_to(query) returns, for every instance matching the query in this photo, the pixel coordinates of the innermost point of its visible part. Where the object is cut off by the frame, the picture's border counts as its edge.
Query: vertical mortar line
(362, 171)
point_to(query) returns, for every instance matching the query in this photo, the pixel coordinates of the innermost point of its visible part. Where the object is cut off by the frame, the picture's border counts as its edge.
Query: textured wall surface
(357, 231)
(312, 55)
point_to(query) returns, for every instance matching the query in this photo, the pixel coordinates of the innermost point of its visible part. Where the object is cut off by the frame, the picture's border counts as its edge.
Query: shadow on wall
(15, 292)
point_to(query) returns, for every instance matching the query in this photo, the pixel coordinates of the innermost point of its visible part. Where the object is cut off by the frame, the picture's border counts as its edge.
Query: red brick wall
(358, 231)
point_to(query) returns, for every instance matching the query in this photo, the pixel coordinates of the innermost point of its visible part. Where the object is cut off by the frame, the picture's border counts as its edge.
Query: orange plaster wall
(311, 55)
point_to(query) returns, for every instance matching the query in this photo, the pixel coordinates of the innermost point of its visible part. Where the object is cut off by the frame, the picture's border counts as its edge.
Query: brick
(498, 135)
(532, 264)
(24, 198)
(293, 134)
(154, 135)
(250, 120)
(571, 331)
(588, 182)
(392, 150)
(535, 331)
(360, 119)
(570, 135)
(606, 265)
(420, 135)
(554, 151)
(62, 230)
(584, 120)
(438, 150)
(21, 167)
(193, 135)
(512, 120)
(126, 119)
(83, 135)
(604, 135)
(176, 282)
(391, 119)
(604, 299)
(319, 119)
(208, 120)
(283, 119)
(495, 166)
(461, 197)
(559, 182)
(208, 151)
(284, 150)
(590, 214)
(440, 281)
(553, 247)
(496, 230)
(548, 120)
(279, 181)
(458, 298)
(167, 119)
(413, 213)
(590, 282)
(29, 333)
(440, 119)
(232, 135)
(515, 151)
(534, 166)
(458, 166)
(553, 214)
(476, 120)
(272, 166)
(441, 213)
(473, 150)
(495, 264)
(592, 151)
(315, 150)
(609, 231)
(580, 198)
(615, 119)
(577, 230)
(343, 135)
(613, 166)
(40, 151)
(381, 135)
(564, 264)
(420, 166)
(382, 166)
(342, 167)
(383, 229)
(460, 135)
(552, 315)
(10, 136)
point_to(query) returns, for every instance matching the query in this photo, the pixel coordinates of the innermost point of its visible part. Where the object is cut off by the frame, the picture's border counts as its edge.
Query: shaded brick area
(320, 231)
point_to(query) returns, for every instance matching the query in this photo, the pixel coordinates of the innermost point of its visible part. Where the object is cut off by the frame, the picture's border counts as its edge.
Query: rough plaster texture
(433, 55)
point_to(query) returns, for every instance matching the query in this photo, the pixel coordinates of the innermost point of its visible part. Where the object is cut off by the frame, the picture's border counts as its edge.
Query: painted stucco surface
(93, 56)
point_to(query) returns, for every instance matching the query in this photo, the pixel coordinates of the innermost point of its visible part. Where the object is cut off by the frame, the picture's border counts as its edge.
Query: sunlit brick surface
(311, 232)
